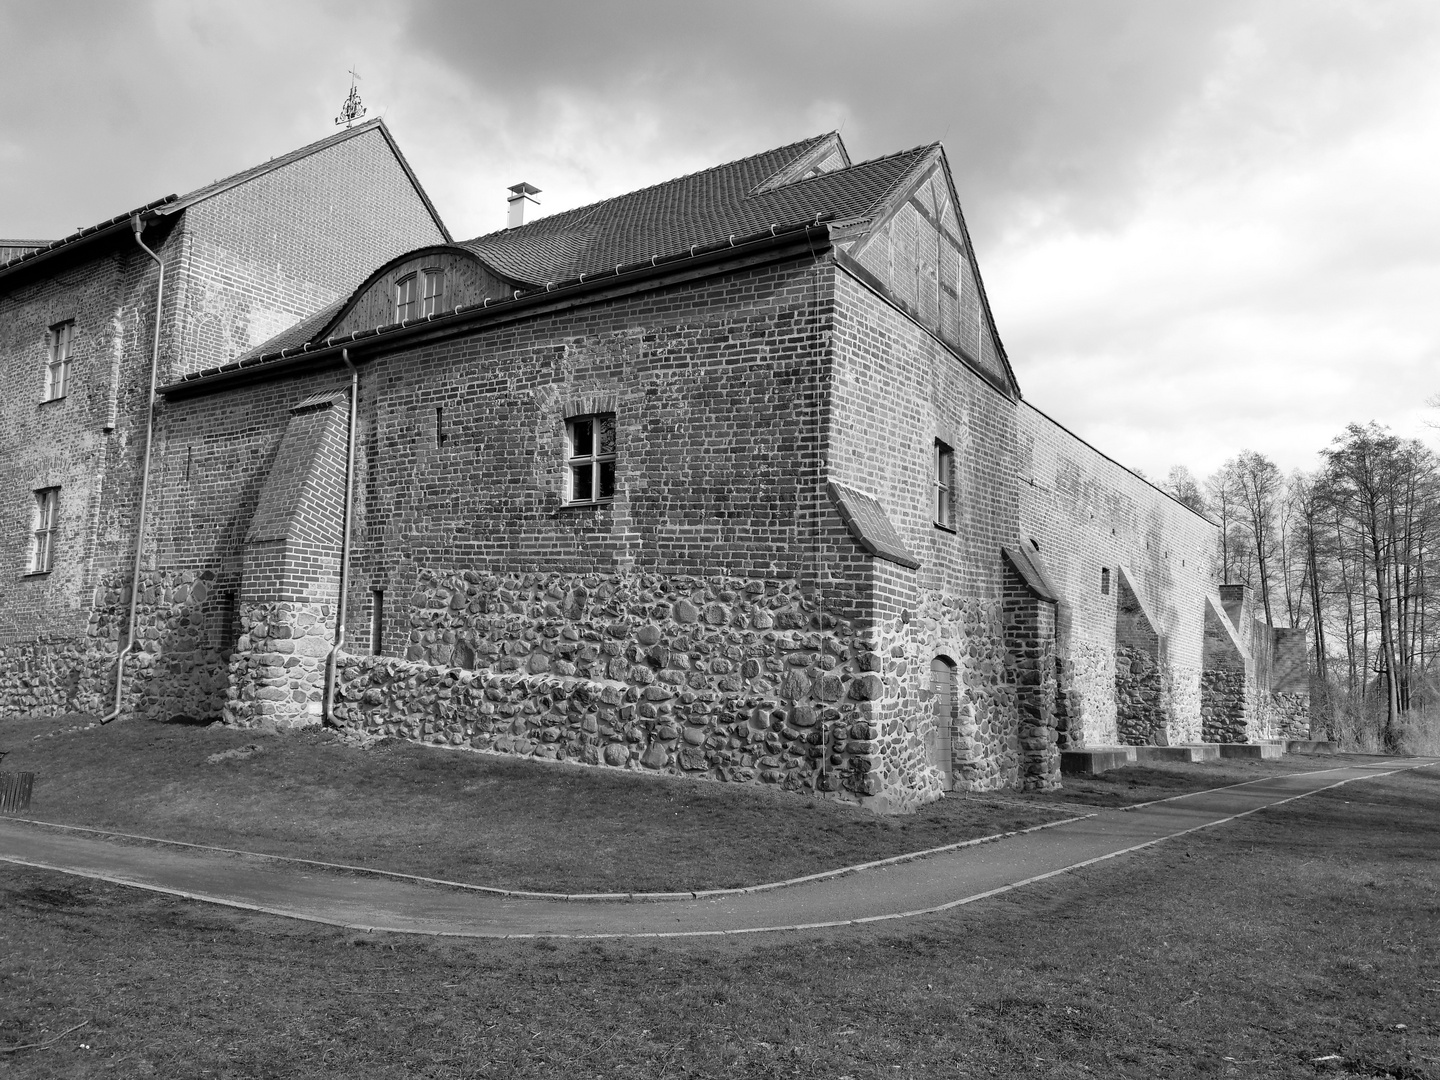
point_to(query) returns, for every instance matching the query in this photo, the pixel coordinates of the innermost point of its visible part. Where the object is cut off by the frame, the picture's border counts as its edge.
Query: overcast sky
(1204, 227)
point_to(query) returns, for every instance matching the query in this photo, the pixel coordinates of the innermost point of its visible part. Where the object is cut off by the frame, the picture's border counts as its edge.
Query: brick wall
(1088, 514)
(895, 389)
(85, 443)
(259, 257)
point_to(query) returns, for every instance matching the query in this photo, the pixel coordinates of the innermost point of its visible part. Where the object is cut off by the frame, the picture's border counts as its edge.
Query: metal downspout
(137, 226)
(330, 661)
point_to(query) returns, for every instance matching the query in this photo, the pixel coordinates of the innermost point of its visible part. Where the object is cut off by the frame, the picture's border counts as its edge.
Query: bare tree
(1361, 474)
(1181, 483)
(1258, 488)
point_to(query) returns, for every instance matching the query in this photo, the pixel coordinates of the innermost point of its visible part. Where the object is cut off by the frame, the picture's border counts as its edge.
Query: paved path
(916, 887)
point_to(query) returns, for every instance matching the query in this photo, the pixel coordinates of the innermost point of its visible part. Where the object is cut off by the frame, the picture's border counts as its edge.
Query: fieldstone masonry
(731, 614)
(277, 673)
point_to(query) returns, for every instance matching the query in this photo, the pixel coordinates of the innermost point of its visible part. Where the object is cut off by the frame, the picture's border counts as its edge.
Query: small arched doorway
(944, 700)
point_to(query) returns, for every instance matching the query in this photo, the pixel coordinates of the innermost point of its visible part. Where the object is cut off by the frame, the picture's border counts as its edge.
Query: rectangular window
(406, 303)
(434, 287)
(944, 485)
(57, 361)
(42, 541)
(592, 458)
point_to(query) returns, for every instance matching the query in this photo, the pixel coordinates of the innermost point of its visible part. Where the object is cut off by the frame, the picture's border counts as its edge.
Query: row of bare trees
(1343, 552)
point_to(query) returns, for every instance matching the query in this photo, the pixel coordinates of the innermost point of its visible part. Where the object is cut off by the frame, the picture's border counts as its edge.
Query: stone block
(1096, 761)
(1251, 751)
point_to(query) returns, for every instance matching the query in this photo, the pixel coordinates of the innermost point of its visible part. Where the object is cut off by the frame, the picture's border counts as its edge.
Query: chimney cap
(523, 188)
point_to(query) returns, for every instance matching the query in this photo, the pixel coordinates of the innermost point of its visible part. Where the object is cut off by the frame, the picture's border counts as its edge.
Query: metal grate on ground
(15, 792)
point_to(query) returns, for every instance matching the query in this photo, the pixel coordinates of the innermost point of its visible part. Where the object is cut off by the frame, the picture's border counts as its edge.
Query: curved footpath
(893, 891)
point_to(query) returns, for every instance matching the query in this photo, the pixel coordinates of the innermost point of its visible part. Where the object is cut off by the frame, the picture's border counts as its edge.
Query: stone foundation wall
(1142, 696)
(47, 677)
(277, 673)
(1290, 713)
(179, 666)
(984, 750)
(1224, 706)
(658, 727)
(1031, 640)
(1086, 696)
(754, 665)
(1186, 710)
(1278, 715)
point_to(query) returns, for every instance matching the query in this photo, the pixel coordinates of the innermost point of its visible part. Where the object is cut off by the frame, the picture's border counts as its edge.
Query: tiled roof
(106, 226)
(696, 210)
(298, 334)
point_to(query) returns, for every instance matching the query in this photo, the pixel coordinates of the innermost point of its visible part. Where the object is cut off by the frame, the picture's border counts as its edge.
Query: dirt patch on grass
(1298, 942)
(461, 816)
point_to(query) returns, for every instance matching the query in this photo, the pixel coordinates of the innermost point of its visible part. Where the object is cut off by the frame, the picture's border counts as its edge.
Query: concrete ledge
(1176, 753)
(1311, 746)
(1254, 751)
(1095, 761)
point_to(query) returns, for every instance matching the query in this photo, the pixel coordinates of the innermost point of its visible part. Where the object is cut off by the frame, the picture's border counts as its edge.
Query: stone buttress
(291, 574)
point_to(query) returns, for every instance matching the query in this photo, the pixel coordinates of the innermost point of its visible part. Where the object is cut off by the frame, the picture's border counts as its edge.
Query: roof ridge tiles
(672, 181)
(832, 174)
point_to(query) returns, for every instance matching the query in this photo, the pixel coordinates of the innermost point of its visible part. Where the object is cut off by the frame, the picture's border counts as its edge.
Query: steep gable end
(917, 251)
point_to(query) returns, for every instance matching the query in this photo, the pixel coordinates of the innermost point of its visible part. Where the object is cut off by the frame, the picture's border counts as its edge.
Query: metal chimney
(519, 195)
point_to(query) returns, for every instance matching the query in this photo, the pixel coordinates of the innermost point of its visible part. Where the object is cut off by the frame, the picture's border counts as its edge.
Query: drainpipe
(330, 661)
(138, 226)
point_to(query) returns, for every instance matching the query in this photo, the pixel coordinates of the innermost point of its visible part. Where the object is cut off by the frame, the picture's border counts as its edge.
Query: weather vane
(352, 110)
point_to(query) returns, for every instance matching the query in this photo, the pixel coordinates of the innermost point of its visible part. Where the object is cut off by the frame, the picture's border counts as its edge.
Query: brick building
(730, 477)
(244, 258)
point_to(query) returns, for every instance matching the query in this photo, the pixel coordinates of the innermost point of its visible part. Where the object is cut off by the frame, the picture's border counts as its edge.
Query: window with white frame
(591, 465)
(407, 301)
(42, 540)
(57, 361)
(944, 485)
(434, 281)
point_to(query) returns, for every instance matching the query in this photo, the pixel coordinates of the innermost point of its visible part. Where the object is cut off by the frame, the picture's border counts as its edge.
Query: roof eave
(813, 237)
(69, 245)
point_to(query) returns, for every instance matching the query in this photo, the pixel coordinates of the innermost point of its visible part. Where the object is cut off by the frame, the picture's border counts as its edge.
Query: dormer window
(430, 297)
(418, 295)
(407, 304)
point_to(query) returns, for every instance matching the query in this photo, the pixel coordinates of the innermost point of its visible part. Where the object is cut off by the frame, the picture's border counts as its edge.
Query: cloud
(1203, 226)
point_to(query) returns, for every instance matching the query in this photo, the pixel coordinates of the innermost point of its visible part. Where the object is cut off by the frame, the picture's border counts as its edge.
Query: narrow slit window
(57, 361)
(1104, 581)
(377, 621)
(944, 485)
(592, 458)
(42, 540)
(407, 303)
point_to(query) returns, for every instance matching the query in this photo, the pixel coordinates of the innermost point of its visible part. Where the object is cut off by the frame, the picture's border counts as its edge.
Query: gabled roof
(235, 180)
(737, 199)
(173, 204)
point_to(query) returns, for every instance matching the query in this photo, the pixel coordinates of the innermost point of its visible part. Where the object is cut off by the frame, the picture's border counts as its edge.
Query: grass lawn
(462, 816)
(491, 820)
(1302, 941)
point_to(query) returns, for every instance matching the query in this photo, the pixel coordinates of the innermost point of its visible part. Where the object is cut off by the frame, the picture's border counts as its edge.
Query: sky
(1203, 227)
